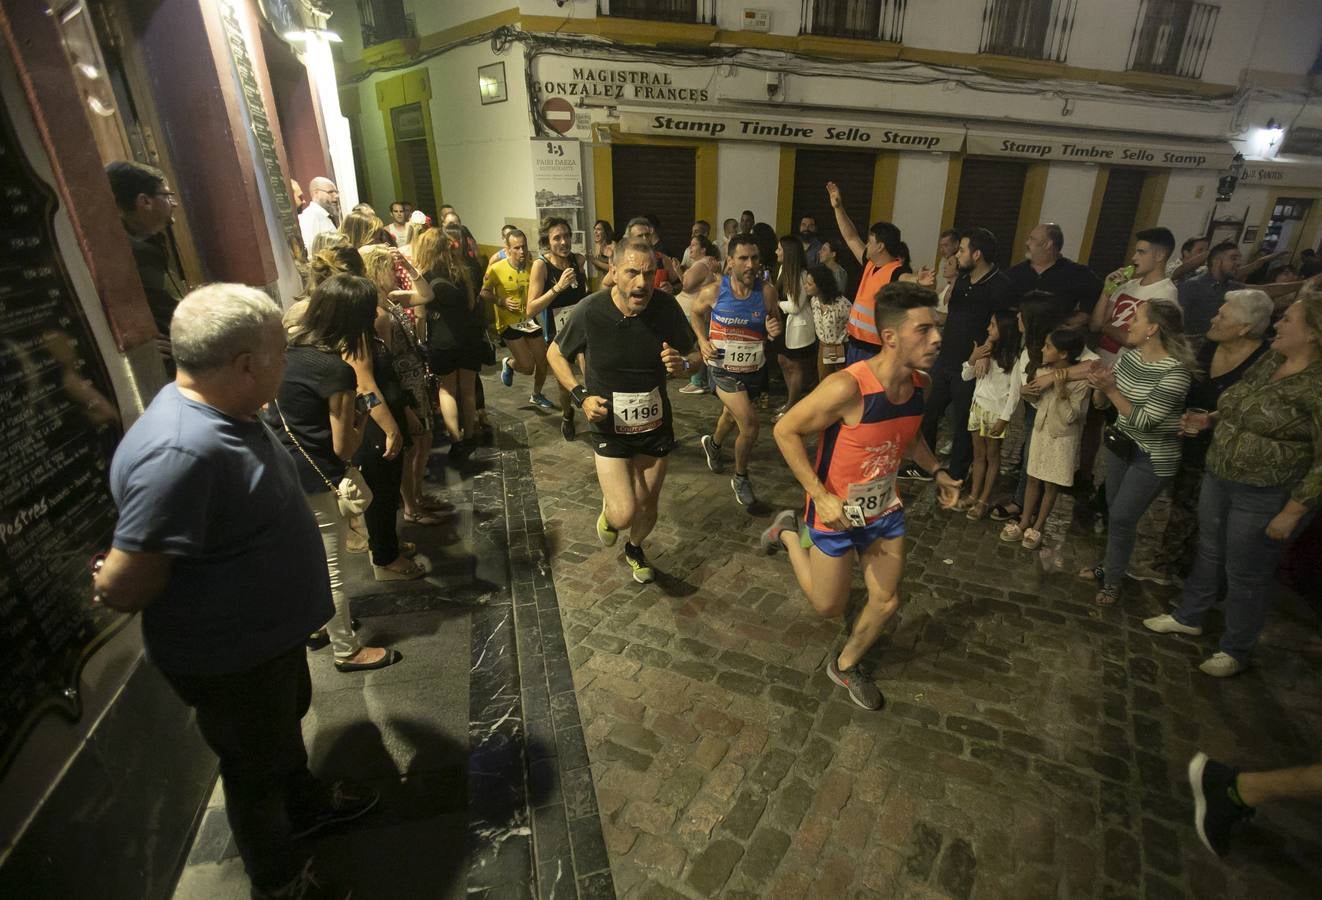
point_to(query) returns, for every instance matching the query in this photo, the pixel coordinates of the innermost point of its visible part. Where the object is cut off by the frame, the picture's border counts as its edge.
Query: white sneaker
(1168, 624)
(1222, 665)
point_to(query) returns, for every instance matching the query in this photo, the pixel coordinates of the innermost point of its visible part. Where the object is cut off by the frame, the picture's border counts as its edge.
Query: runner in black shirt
(633, 340)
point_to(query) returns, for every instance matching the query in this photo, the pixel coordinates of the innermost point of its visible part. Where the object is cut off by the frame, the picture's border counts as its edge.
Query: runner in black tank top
(556, 283)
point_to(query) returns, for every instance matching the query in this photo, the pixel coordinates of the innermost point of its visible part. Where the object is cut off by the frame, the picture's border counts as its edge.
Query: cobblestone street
(1031, 745)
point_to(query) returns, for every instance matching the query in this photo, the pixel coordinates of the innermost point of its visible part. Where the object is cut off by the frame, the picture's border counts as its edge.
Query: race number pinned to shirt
(874, 498)
(527, 326)
(636, 412)
(560, 316)
(741, 356)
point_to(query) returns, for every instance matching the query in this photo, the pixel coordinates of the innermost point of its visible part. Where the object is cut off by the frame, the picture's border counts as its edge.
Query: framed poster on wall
(557, 180)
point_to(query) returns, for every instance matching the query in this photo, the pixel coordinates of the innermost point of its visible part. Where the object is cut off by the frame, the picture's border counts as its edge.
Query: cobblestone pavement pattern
(1031, 745)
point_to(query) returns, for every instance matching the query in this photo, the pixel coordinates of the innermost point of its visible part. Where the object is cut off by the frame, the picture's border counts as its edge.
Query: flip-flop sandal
(411, 571)
(389, 659)
(1107, 596)
(1000, 512)
(423, 519)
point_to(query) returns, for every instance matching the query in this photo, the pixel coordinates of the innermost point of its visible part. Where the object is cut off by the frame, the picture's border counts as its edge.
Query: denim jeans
(1130, 489)
(1030, 416)
(251, 720)
(1232, 537)
(950, 391)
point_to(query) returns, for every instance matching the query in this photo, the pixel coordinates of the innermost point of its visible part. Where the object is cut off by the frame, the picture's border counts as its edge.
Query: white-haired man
(218, 549)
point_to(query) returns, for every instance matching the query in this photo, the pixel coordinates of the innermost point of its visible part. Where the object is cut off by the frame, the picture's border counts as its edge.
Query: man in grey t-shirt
(218, 549)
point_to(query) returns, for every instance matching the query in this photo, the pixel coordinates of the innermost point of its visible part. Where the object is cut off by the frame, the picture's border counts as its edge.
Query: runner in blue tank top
(864, 420)
(733, 318)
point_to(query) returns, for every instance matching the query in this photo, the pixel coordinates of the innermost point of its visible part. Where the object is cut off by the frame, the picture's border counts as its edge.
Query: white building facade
(1103, 116)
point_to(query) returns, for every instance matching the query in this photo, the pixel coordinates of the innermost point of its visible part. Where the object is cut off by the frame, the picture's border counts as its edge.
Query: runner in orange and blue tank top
(858, 464)
(866, 419)
(733, 318)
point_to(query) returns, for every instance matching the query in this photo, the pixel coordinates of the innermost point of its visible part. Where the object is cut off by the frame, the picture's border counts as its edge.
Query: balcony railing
(702, 12)
(384, 20)
(1172, 37)
(1032, 29)
(874, 20)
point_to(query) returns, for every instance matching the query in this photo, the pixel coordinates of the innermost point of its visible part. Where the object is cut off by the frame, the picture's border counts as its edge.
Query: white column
(321, 68)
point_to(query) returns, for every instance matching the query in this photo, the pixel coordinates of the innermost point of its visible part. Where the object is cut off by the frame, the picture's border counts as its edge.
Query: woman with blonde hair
(395, 326)
(455, 329)
(362, 229)
(1262, 484)
(1147, 387)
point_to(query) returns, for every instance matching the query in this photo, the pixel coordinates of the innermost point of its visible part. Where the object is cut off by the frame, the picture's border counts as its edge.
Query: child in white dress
(1053, 453)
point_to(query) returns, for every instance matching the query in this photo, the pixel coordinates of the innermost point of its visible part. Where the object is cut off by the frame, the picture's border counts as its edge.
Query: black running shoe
(1215, 811)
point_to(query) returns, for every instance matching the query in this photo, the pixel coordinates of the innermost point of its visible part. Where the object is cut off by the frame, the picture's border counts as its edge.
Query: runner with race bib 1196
(632, 338)
(866, 419)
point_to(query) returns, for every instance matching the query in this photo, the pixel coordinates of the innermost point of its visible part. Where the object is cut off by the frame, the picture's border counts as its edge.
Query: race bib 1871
(741, 356)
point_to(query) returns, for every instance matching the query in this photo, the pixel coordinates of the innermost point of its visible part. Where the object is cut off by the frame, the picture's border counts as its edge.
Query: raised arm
(846, 224)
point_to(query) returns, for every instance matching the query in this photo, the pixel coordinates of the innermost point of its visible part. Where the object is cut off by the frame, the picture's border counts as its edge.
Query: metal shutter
(990, 191)
(1115, 220)
(853, 172)
(656, 181)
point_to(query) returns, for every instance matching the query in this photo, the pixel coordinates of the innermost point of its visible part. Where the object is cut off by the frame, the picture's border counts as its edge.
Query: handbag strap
(315, 468)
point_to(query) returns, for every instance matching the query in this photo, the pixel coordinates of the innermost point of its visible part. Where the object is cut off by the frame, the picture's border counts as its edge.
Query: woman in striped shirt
(1147, 387)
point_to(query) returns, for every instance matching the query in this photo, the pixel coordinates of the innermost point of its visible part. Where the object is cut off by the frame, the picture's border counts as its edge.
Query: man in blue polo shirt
(218, 549)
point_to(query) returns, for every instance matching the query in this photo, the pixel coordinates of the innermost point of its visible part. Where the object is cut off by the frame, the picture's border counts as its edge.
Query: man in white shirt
(321, 214)
(399, 223)
(1113, 312)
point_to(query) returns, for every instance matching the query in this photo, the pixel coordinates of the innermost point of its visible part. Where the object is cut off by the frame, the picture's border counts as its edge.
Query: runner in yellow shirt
(506, 286)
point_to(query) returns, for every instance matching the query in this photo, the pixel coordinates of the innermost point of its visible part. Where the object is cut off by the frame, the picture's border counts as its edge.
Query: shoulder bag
(353, 494)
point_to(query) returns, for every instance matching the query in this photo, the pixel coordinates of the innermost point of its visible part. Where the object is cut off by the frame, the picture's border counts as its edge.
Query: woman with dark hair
(603, 248)
(827, 256)
(765, 238)
(1262, 485)
(455, 338)
(1147, 387)
(830, 314)
(321, 422)
(796, 347)
(995, 398)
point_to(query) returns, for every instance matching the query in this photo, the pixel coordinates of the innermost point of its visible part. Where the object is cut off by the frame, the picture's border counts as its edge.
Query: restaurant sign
(840, 132)
(1133, 152)
(1284, 174)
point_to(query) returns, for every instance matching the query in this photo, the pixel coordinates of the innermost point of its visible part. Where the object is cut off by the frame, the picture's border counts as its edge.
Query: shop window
(853, 172)
(690, 11)
(413, 157)
(1172, 37)
(1033, 29)
(990, 193)
(1285, 226)
(1115, 220)
(659, 182)
(878, 20)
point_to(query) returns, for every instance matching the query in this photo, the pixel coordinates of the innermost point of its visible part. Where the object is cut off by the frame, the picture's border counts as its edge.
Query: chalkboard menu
(58, 429)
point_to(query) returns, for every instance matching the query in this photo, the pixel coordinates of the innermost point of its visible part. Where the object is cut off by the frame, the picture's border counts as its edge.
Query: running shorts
(838, 543)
